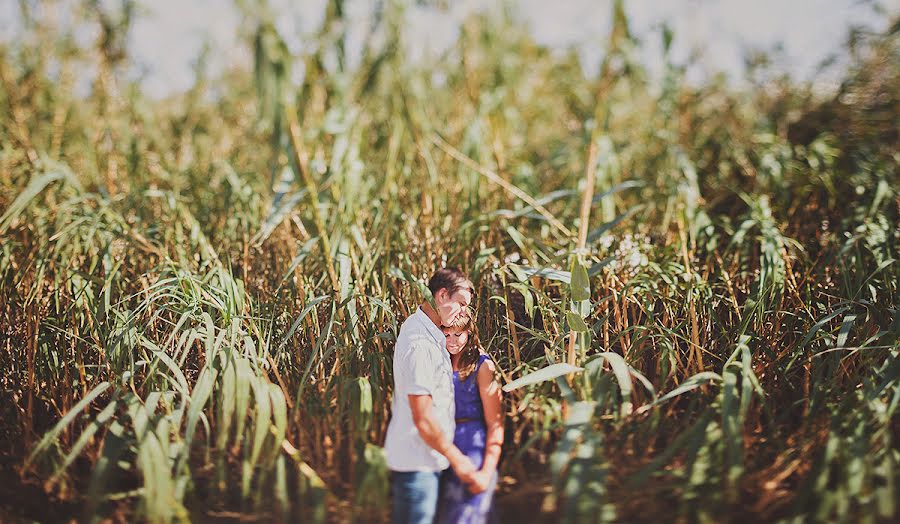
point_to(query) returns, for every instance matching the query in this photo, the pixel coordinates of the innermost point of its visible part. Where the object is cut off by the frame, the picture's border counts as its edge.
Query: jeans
(415, 496)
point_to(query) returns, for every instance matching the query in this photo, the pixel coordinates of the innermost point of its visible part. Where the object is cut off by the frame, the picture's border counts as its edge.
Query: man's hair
(451, 279)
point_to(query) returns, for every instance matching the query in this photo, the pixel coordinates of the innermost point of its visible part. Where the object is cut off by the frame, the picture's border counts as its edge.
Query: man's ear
(429, 297)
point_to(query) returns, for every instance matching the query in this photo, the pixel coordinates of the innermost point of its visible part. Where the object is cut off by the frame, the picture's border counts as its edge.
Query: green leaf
(694, 382)
(34, 187)
(597, 233)
(623, 376)
(523, 273)
(542, 375)
(51, 435)
(576, 323)
(580, 287)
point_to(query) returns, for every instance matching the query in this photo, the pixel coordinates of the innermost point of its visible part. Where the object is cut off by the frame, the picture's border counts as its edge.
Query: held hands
(464, 469)
(481, 481)
(474, 479)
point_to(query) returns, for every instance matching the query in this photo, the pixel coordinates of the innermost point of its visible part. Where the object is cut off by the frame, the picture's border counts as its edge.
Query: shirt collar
(432, 329)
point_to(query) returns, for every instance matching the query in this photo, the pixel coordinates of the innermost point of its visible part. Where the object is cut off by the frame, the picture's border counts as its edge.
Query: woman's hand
(481, 481)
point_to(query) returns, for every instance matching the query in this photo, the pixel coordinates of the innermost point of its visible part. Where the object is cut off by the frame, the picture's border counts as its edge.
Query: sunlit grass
(200, 295)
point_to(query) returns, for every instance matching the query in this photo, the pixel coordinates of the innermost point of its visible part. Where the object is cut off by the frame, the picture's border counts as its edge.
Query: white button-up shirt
(421, 367)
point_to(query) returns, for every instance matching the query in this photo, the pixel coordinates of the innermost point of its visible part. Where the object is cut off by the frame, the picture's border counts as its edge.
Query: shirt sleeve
(419, 370)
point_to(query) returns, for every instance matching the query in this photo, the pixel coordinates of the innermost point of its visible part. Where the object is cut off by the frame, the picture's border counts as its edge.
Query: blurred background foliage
(199, 294)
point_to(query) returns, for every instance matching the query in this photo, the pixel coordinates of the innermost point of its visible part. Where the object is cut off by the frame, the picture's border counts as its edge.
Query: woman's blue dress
(457, 504)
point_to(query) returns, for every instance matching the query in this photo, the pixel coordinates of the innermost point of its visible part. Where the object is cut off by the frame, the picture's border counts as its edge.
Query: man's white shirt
(421, 367)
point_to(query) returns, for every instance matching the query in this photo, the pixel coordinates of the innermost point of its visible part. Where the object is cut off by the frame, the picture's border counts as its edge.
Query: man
(419, 442)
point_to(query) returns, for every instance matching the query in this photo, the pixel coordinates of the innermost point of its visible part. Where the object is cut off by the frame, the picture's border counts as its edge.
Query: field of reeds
(199, 295)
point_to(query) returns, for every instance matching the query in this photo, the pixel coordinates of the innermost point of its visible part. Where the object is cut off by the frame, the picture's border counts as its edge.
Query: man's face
(450, 306)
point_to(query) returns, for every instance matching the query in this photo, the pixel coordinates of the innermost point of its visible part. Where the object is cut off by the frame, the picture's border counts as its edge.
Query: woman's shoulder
(485, 360)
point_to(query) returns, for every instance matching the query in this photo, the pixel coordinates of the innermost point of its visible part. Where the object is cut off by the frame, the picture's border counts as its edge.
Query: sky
(168, 34)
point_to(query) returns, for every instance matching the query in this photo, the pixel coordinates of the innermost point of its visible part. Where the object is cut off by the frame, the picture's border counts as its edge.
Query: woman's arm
(492, 401)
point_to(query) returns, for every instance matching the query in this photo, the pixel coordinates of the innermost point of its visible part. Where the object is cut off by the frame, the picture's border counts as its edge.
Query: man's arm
(430, 431)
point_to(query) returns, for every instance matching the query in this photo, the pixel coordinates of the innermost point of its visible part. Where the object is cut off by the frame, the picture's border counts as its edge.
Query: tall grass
(199, 295)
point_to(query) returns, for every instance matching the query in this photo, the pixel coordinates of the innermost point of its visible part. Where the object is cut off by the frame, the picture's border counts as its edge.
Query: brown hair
(468, 357)
(451, 279)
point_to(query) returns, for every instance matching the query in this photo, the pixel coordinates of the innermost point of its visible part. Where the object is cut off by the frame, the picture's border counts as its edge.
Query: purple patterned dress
(457, 504)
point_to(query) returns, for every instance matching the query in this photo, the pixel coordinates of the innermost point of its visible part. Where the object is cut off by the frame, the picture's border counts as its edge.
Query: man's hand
(481, 480)
(464, 469)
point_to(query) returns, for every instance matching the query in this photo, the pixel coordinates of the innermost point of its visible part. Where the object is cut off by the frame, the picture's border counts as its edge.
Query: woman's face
(456, 339)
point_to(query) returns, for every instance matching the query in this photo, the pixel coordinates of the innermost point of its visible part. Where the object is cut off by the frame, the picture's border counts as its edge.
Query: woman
(479, 427)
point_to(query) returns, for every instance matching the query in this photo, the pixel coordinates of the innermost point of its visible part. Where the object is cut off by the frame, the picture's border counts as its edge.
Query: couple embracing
(446, 430)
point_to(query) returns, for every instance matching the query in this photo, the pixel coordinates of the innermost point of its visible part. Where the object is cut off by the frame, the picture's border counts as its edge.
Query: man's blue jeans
(415, 496)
